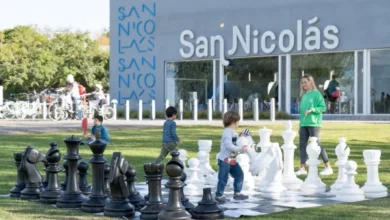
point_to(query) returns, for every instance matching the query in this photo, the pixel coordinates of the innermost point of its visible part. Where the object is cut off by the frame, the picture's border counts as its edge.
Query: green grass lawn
(143, 145)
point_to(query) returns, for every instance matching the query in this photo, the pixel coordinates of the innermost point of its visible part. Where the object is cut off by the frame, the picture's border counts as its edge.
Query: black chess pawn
(31, 175)
(98, 199)
(72, 197)
(53, 190)
(184, 200)
(174, 210)
(106, 177)
(154, 205)
(207, 208)
(135, 198)
(20, 184)
(82, 167)
(45, 180)
(63, 185)
(119, 205)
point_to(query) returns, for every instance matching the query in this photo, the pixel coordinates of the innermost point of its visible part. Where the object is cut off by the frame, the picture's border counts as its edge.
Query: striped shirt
(169, 132)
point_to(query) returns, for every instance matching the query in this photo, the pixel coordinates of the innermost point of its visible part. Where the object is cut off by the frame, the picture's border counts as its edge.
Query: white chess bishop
(313, 183)
(373, 188)
(342, 151)
(350, 191)
(290, 180)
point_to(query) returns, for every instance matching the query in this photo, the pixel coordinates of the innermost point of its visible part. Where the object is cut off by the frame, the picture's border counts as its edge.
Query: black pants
(304, 134)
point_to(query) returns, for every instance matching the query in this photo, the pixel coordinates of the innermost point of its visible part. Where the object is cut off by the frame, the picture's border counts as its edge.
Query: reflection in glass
(189, 81)
(248, 78)
(380, 81)
(338, 94)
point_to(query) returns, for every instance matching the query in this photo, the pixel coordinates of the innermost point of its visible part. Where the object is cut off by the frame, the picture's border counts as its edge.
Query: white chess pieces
(242, 141)
(205, 169)
(274, 187)
(350, 191)
(313, 183)
(342, 151)
(259, 163)
(243, 160)
(265, 139)
(290, 180)
(373, 188)
(194, 184)
(183, 158)
(205, 146)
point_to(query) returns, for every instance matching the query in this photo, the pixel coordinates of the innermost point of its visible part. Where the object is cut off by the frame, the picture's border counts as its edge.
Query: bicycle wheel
(108, 113)
(55, 113)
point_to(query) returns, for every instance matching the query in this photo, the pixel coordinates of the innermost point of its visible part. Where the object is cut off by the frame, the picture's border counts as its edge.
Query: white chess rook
(265, 139)
(373, 188)
(313, 184)
(290, 180)
(350, 191)
(342, 151)
(205, 145)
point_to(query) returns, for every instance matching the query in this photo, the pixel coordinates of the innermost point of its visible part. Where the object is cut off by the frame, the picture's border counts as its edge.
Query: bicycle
(92, 108)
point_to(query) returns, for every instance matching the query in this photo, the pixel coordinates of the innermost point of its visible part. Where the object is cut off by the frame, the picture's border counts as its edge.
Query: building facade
(228, 49)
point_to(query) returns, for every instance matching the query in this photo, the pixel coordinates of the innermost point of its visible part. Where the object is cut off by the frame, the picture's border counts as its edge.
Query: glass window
(188, 81)
(380, 80)
(338, 93)
(248, 78)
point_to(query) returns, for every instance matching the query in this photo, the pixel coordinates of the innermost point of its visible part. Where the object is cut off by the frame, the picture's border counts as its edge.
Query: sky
(83, 15)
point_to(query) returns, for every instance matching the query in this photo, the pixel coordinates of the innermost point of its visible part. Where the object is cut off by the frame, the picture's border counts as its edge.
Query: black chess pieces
(207, 208)
(98, 199)
(82, 167)
(184, 200)
(63, 185)
(72, 197)
(135, 198)
(119, 205)
(20, 184)
(53, 190)
(154, 205)
(174, 210)
(106, 177)
(45, 180)
(31, 175)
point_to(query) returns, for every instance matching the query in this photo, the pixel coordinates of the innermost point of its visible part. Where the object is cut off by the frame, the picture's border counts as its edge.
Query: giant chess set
(188, 192)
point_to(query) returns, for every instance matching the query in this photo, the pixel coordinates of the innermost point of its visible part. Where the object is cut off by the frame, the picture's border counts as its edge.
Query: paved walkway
(23, 126)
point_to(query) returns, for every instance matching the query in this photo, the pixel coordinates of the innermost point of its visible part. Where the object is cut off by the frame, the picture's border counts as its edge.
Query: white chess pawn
(350, 191)
(243, 161)
(265, 139)
(342, 151)
(183, 158)
(373, 187)
(313, 183)
(290, 180)
(194, 184)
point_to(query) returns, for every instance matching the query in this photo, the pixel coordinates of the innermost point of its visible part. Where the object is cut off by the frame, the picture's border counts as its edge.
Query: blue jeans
(223, 175)
(77, 100)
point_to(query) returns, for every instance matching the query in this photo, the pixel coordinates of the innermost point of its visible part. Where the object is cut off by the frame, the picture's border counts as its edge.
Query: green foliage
(30, 60)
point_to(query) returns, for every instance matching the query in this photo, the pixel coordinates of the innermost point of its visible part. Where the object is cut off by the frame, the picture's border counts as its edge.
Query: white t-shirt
(99, 94)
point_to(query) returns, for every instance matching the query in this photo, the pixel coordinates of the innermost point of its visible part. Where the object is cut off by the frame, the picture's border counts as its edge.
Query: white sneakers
(301, 171)
(325, 172)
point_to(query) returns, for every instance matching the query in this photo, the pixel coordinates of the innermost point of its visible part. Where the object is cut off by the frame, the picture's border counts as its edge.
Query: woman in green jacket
(312, 105)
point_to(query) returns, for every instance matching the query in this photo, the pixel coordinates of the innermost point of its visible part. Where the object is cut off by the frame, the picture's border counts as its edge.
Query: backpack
(82, 89)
